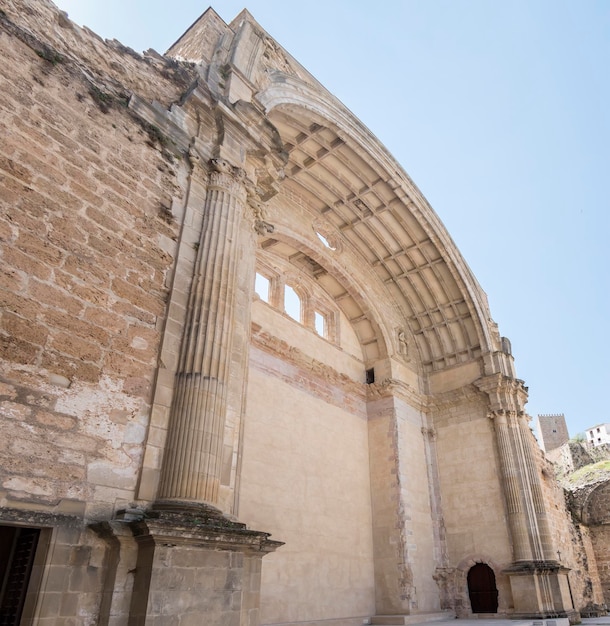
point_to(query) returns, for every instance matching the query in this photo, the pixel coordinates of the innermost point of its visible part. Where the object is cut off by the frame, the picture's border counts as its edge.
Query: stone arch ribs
(342, 174)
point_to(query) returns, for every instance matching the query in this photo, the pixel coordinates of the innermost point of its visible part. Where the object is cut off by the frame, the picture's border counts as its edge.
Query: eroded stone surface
(381, 434)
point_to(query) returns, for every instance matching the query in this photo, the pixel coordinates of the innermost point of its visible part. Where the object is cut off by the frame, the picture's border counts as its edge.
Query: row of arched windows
(298, 303)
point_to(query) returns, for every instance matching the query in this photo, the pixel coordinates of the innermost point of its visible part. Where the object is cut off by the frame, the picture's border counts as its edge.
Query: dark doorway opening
(482, 589)
(17, 552)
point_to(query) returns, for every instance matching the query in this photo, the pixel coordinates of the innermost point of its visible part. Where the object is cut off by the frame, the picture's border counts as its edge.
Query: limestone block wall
(114, 68)
(600, 539)
(305, 476)
(69, 580)
(470, 489)
(87, 238)
(90, 210)
(573, 542)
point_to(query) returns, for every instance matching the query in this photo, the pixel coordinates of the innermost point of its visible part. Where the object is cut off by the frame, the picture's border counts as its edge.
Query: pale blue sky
(499, 111)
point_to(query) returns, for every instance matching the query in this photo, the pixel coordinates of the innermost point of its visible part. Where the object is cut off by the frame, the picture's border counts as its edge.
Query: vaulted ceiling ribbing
(359, 198)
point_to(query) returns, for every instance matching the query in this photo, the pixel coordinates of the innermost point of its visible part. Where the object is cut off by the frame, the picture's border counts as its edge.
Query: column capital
(228, 177)
(220, 165)
(502, 415)
(506, 394)
(233, 179)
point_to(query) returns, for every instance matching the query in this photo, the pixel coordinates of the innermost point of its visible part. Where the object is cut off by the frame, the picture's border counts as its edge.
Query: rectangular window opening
(320, 324)
(261, 287)
(370, 376)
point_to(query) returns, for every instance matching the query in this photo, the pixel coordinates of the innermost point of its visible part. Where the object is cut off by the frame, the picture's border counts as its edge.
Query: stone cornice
(215, 532)
(39, 518)
(468, 393)
(423, 402)
(167, 124)
(245, 132)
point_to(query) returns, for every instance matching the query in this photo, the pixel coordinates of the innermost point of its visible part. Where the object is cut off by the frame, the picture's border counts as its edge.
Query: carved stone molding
(502, 414)
(505, 393)
(228, 177)
(403, 344)
(466, 394)
(393, 387)
(268, 178)
(258, 216)
(316, 369)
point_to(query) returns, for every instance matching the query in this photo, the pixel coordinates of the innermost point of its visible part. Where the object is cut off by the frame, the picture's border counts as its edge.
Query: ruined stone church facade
(245, 375)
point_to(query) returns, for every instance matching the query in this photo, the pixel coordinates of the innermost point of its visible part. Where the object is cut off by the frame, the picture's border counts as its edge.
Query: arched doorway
(482, 589)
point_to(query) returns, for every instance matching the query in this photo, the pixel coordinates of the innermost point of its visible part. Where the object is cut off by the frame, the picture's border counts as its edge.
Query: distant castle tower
(552, 431)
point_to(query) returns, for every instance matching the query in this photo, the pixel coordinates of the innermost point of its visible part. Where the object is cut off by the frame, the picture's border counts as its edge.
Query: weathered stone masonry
(164, 429)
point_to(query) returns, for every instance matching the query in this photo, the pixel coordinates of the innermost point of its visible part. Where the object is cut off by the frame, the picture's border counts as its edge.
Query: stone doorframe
(463, 608)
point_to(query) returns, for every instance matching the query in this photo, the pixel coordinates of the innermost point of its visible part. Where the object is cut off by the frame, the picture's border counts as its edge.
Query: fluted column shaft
(193, 454)
(524, 499)
(513, 488)
(544, 546)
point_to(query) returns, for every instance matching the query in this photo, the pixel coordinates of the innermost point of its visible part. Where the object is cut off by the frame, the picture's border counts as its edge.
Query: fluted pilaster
(193, 454)
(513, 489)
(543, 547)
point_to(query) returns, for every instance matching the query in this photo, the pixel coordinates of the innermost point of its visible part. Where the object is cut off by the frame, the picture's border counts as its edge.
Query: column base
(188, 507)
(540, 590)
(199, 565)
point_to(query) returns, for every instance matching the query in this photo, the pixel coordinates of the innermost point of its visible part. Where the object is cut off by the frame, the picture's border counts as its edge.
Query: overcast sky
(499, 111)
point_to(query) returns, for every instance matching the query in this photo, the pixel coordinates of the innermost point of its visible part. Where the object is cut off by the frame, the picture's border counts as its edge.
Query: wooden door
(482, 589)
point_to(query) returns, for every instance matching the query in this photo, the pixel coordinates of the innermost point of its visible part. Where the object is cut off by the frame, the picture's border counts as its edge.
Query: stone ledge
(201, 529)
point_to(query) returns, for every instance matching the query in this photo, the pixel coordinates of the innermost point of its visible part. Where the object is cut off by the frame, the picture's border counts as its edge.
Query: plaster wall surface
(403, 525)
(598, 435)
(305, 479)
(473, 509)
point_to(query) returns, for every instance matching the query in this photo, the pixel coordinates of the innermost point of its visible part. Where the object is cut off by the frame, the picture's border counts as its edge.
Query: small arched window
(292, 303)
